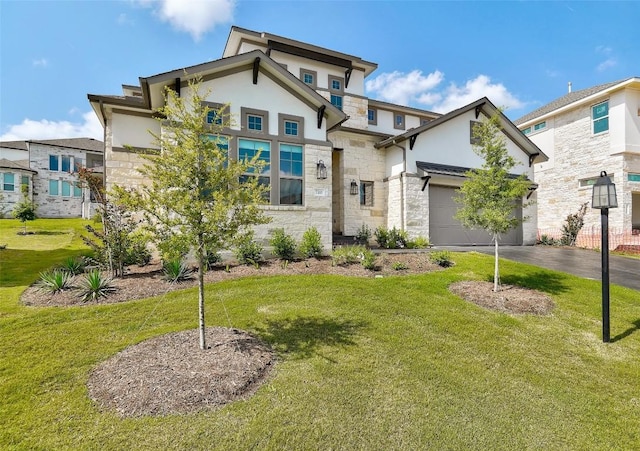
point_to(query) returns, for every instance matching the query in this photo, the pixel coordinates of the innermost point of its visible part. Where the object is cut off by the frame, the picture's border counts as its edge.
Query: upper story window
(54, 163)
(290, 128)
(8, 181)
(66, 163)
(25, 180)
(336, 84)
(600, 117)
(309, 77)
(336, 101)
(539, 126)
(526, 131)
(398, 121)
(372, 116)
(216, 112)
(214, 118)
(255, 121)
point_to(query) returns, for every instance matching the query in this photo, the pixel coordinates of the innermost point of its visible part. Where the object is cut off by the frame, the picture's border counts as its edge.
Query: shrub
(348, 255)
(212, 257)
(418, 242)
(55, 281)
(368, 259)
(284, 246)
(311, 244)
(441, 258)
(363, 235)
(73, 265)
(547, 240)
(391, 239)
(248, 251)
(138, 252)
(94, 286)
(399, 266)
(176, 271)
(572, 226)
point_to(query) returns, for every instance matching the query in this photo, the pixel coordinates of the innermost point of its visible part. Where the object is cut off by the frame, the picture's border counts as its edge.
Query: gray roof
(23, 165)
(567, 99)
(445, 169)
(89, 144)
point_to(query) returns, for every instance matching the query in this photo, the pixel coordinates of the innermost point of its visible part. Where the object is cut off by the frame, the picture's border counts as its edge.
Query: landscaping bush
(391, 239)
(94, 286)
(138, 252)
(368, 259)
(441, 258)
(284, 246)
(418, 242)
(548, 241)
(248, 251)
(176, 271)
(572, 226)
(399, 266)
(363, 235)
(55, 281)
(311, 244)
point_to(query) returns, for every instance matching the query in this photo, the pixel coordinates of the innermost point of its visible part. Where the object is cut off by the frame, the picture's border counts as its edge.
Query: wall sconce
(354, 187)
(321, 170)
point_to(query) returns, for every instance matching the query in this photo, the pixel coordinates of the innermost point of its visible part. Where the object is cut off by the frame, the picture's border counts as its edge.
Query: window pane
(53, 163)
(66, 189)
(371, 114)
(291, 128)
(336, 101)
(540, 126)
(399, 119)
(25, 180)
(335, 84)
(66, 163)
(601, 125)
(601, 110)
(53, 188)
(254, 122)
(247, 149)
(290, 192)
(8, 184)
(290, 160)
(77, 191)
(308, 79)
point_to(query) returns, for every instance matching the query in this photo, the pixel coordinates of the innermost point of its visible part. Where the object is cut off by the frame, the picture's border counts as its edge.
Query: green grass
(392, 363)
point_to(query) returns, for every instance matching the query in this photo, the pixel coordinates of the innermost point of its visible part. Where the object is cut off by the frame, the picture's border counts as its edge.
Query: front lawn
(390, 363)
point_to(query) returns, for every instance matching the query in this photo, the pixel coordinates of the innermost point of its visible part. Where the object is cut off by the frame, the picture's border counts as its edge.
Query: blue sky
(431, 55)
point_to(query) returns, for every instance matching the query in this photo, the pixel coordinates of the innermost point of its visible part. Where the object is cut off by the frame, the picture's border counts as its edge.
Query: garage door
(444, 229)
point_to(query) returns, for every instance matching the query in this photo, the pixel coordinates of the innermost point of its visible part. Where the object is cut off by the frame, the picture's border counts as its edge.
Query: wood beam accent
(321, 115)
(478, 110)
(311, 54)
(412, 140)
(347, 77)
(177, 88)
(256, 69)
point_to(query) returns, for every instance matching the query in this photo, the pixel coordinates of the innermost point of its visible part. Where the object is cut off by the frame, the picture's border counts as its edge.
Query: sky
(431, 55)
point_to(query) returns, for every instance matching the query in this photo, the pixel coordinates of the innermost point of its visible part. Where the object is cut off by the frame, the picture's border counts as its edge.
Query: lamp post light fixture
(321, 170)
(604, 197)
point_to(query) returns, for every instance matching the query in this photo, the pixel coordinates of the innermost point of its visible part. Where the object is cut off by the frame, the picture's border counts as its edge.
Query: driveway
(580, 262)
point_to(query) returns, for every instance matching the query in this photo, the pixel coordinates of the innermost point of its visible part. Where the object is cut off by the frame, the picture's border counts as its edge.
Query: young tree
(26, 209)
(196, 193)
(490, 194)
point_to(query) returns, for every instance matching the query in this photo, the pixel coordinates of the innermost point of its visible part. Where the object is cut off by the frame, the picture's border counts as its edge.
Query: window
(291, 174)
(591, 181)
(77, 190)
(254, 122)
(53, 188)
(53, 163)
(24, 180)
(66, 163)
(78, 163)
(247, 149)
(600, 117)
(66, 189)
(290, 128)
(366, 194)
(309, 77)
(8, 183)
(336, 101)
(214, 118)
(526, 131)
(216, 112)
(398, 121)
(372, 116)
(336, 85)
(539, 126)
(634, 177)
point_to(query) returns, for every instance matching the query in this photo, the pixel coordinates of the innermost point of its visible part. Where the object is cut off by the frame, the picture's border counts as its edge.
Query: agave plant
(55, 281)
(176, 271)
(94, 286)
(73, 265)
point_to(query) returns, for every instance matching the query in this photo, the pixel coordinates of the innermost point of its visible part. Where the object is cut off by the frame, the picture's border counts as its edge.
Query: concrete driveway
(580, 262)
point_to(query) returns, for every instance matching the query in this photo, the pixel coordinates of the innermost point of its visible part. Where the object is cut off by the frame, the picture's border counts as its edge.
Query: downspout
(402, 175)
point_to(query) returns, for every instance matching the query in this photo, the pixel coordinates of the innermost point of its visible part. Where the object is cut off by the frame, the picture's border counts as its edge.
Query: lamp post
(604, 197)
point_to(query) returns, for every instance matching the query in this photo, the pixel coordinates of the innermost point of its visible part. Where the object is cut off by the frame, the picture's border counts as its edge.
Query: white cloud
(90, 127)
(123, 19)
(481, 86)
(609, 61)
(42, 62)
(606, 64)
(418, 89)
(398, 87)
(196, 16)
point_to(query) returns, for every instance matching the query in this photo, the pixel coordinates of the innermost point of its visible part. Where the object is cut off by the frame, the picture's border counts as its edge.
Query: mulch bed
(510, 299)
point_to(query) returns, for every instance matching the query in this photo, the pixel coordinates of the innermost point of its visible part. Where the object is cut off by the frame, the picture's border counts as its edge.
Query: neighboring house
(50, 168)
(583, 133)
(338, 159)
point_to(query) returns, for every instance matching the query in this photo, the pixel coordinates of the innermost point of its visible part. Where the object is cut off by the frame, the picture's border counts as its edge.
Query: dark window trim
(299, 139)
(245, 112)
(303, 71)
(397, 126)
(373, 121)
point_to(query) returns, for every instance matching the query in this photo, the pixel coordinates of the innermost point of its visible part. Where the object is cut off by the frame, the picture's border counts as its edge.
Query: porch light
(321, 170)
(604, 197)
(354, 187)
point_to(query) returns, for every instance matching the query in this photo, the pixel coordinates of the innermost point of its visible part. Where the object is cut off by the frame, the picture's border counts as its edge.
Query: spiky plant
(55, 281)
(94, 285)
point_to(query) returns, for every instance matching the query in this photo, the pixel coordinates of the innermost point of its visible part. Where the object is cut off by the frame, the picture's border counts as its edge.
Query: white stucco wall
(129, 130)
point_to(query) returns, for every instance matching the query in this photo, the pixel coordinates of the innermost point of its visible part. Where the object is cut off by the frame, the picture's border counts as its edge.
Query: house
(583, 133)
(49, 168)
(338, 159)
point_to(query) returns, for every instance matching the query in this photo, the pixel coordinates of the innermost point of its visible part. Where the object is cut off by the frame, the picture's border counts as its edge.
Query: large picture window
(600, 117)
(291, 174)
(247, 149)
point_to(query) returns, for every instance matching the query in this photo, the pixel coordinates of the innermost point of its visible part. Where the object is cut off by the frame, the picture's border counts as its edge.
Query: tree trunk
(496, 270)
(203, 343)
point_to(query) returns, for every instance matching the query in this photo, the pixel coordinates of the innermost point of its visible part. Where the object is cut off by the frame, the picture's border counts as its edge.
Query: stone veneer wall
(360, 161)
(408, 205)
(578, 155)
